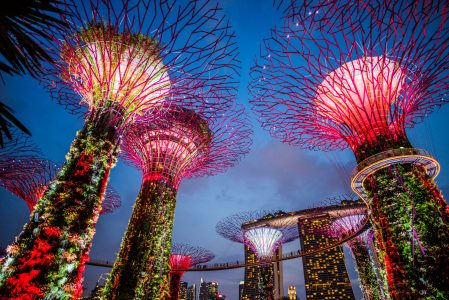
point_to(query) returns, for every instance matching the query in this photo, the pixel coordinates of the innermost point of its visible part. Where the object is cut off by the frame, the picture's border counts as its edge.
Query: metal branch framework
(28, 177)
(263, 239)
(323, 86)
(132, 56)
(231, 227)
(111, 202)
(19, 145)
(184, 256)
(185, 144)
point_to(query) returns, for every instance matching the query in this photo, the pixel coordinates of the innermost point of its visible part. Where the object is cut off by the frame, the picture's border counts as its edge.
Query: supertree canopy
(265, 240)
(121, 60)
(182, 143)
(262, 239)
(28, 178)
(359, 80)
(182, 258)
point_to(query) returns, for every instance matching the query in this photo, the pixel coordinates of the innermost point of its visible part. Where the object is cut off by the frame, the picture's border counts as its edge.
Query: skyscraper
(191, 292)
(252, 285)
(241, 285)
(183, 291)
(325, 272)
(278, 273)
(208, 290)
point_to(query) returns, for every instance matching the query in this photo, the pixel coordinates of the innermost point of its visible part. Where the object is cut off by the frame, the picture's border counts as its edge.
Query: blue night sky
(272, 176)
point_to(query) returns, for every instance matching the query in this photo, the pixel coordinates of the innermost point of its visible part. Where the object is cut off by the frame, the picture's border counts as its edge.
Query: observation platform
(388, 158)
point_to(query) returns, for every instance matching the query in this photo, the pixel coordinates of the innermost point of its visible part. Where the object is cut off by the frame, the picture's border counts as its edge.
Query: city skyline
(289, 179)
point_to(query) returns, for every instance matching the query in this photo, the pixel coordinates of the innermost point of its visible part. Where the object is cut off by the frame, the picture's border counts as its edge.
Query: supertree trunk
(143, 263)
(47, 260)
(367, 273)
(379, 268)
(411, 222)
(175, 285)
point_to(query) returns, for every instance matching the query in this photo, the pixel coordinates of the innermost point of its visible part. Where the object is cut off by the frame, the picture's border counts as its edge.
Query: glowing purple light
(347, 224)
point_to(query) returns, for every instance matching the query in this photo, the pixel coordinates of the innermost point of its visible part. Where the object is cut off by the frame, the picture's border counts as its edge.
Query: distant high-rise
(251, 282)
(183, 291)
(325, 272)
(191, 292)
(208, 291)
(292, 292)
(252, 286)
(278, 273)
(241, 285)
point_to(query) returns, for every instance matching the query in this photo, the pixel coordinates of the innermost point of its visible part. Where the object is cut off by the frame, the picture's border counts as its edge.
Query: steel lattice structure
(138, 55)
(263, 239)
(331, 80)
(231, 227)
(28, 178)
(298, 78)
(120, 60)
(182, 258)
(183, 143)
(111, 202)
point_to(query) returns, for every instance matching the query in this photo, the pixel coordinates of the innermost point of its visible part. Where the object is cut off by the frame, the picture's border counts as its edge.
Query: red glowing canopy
(332, 79)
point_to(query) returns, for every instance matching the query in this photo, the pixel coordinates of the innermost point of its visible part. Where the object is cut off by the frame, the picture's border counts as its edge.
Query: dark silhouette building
(183, 291)
(208, 290)
(325, 272)
(191, 292)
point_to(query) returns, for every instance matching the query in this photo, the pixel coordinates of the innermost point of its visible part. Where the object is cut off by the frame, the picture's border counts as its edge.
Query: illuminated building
(183, 291)
(191, 292)
(292, 292)
(325, 272)
(208, 290)
(241, 285)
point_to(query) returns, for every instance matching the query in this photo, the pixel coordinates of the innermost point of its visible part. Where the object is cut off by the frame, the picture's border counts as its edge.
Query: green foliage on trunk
(142, 266)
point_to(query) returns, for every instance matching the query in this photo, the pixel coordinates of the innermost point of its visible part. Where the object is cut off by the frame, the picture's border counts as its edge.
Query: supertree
(359, 246)
(329, 84)
(183, 143)
(120, 60)
(262, 240)
(182, 258)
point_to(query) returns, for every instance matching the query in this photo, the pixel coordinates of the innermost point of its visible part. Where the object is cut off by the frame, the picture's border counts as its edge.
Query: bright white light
(264, 241)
